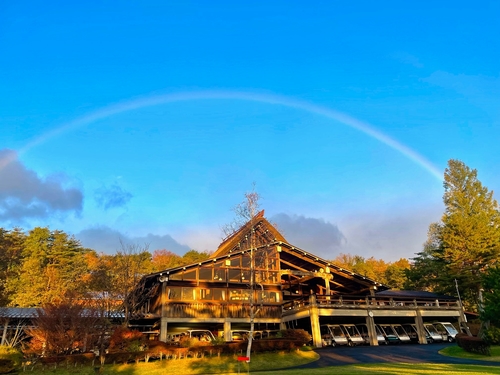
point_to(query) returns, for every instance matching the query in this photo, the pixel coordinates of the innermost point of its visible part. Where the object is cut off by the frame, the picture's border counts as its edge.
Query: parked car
(411, 331)
(334, 335)
(326, 335)
(241, 335)
(401, 333)
(447, 330)
(389, 333)
(435, 336)
(200, 334)
(363, 330)
(352, 334)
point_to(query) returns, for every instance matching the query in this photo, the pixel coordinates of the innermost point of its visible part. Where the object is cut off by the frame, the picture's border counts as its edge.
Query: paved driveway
(411, 353)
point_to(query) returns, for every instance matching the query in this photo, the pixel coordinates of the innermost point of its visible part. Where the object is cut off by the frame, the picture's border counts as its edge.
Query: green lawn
(455, 351)
(269, 363)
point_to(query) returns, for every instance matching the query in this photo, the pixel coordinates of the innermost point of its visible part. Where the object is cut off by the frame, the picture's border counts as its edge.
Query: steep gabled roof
(343, 281)
(263, 230)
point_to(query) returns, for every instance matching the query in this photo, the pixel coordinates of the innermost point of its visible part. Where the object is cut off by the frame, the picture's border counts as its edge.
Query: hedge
(473, 344)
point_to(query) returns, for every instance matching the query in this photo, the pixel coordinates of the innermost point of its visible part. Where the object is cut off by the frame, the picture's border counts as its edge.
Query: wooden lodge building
(292, 288)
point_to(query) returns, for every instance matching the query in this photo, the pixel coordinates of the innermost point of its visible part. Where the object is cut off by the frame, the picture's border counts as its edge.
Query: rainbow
(234, 95)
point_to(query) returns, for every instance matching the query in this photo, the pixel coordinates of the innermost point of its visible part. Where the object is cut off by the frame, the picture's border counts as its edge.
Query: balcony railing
(208, 310)
(370, 302)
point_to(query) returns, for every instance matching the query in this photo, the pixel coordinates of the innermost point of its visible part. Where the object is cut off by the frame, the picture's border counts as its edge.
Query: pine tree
(470, 231)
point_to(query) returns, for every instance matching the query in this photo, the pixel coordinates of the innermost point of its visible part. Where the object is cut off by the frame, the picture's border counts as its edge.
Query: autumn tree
(194, 256)
(11, 256)
(61, 328)
(129, 265)
(164, 259)
(389, 273)
(53, 265)
(395, 273)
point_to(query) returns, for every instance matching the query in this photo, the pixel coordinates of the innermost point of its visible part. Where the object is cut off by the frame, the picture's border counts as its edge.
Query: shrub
(492, 335)
(6, 366)
(458, 336)
(473, 344)
(12, 354)
(126, 339)
(297, 334)
(218, 341)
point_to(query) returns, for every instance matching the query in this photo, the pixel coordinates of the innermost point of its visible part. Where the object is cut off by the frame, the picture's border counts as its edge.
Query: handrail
(372, 302)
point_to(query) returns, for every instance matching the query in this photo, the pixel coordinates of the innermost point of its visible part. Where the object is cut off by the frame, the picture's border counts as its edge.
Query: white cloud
(388, 236)
(316, 235)
(112, 197)
(25, 195)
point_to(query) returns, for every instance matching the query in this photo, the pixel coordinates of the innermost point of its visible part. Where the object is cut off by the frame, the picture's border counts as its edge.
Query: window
(268, 296)
(219, 294)
(174, 292)
(236, 261)
(176, 276)
(206, 294)
(245, 276)
(235, 275)
(219, 274)
(188, 294)
(190, 275)
(206, 273)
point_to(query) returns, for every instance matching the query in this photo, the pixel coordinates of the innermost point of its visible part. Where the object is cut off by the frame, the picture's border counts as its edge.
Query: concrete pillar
(4, 334)
(314, 316)
(227, 331)
(163, 321)
(282, 325)
(422, 333)
(462, 320)
(372, 331)
(163, 328)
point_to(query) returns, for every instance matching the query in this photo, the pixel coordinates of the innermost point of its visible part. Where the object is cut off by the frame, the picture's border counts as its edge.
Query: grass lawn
(455, 351)
(189, 366)
(268, 363)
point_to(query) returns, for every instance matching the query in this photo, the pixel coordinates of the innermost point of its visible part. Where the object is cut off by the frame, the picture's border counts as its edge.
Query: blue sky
(148, 122)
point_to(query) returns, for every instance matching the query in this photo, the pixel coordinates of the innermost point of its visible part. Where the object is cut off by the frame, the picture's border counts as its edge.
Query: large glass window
(245, 261)
(176, 276)
(245, 276)
(206, 294)
(190, 275)
(235, 275)
(219, 294)
(236, 261)
(188, 294)
(268, 296)
(174, 292)
(206, 273)
(219, 274)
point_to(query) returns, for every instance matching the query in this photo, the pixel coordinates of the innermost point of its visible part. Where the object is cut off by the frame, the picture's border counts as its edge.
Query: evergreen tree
(491, 285)
(427, 271)
(11, 249)
(53, 266)
(466, 241)
(470, 233)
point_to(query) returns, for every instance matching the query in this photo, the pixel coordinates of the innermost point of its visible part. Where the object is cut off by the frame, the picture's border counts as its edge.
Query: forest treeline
(44, 266)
